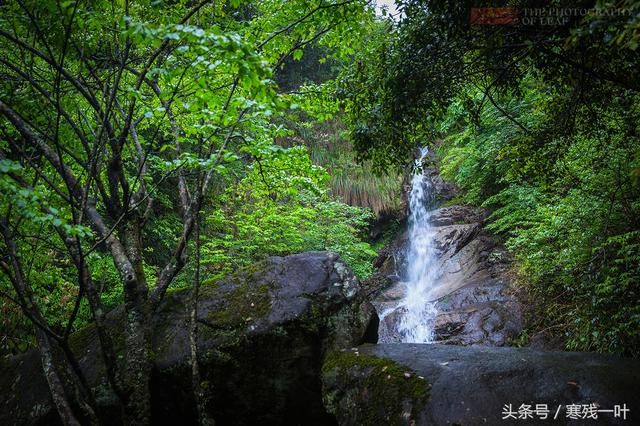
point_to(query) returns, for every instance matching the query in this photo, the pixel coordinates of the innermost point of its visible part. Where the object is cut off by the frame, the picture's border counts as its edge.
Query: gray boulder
(263, 333)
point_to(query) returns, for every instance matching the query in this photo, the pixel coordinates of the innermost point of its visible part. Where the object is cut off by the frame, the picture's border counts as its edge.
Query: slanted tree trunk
(202, 394)
(56, 387)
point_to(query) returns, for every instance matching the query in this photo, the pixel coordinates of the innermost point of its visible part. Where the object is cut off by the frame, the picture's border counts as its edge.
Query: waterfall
(406, 311)
(415, 324)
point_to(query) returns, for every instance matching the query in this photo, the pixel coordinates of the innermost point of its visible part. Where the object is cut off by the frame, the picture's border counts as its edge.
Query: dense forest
(154, 147)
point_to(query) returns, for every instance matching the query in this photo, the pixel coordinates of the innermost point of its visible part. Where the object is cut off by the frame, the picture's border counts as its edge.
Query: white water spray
(416, 323)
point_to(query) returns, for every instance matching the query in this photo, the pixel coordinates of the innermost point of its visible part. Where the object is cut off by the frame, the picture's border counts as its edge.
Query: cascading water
(415, 314)
(416, 323)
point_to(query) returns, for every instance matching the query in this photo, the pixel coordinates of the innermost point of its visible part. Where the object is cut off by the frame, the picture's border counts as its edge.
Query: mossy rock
(471, 385)
(240, 304)
(365, 390)
(262, 336)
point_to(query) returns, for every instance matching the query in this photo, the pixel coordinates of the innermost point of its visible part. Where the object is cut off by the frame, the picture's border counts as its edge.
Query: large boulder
(262, 337)
(417, 384)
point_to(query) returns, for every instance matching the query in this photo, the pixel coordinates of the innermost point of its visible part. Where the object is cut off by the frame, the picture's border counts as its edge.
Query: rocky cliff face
(473, 296)
(262, 337)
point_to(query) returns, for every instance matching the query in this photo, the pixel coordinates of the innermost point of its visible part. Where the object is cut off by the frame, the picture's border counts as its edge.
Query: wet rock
(262, 336)
(492, 324)
(450, 239)
(450, 385)
(444, 190)
(390, 315)
(392, 258)
(473, 296)
(455, 215)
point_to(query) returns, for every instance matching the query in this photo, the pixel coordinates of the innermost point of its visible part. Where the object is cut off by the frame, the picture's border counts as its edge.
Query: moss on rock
(365, 390)
(239, 303)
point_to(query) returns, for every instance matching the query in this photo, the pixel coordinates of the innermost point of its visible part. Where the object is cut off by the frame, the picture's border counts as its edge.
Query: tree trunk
(137, 333)
(200, 394)
(137, 369)
(53, 379)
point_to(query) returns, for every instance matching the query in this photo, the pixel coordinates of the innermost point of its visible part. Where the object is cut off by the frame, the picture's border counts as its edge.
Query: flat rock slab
(482, 385)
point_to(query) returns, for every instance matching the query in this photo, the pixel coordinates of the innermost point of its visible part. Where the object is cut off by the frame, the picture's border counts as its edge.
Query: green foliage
(409, 72)
(315, 66)
(281, 207)
(341, 229)
(568, 208)
(135, 100)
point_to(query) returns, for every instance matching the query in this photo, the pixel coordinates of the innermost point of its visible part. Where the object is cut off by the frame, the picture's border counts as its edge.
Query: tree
(403, 84)
(111, 114)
